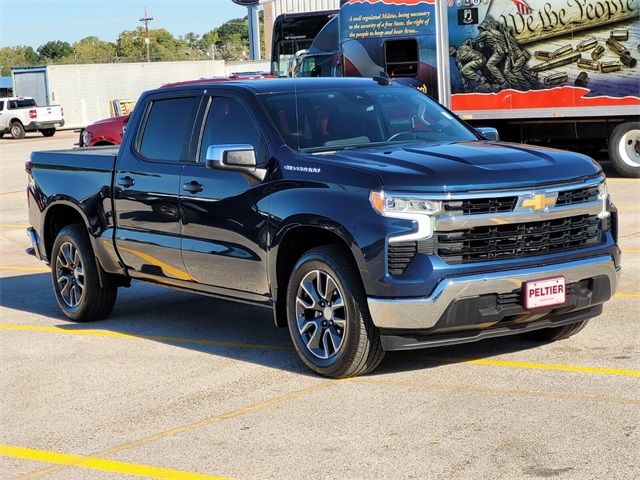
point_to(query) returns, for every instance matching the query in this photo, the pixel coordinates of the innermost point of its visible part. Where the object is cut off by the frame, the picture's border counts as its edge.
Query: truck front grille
(475, 206)
(518, 240)
(579, 195)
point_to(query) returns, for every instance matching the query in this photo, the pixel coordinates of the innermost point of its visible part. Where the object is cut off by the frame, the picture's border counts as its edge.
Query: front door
(147, 185)
(224, 231)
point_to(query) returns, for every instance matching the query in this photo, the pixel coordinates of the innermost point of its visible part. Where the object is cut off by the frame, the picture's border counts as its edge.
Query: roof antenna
(382, 79)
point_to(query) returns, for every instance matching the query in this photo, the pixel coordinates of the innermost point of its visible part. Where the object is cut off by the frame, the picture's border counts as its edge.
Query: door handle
(192, 187)
(126, 182)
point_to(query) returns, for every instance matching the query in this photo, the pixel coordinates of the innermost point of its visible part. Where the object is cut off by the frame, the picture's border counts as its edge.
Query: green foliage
(19, 56)
(55, 50)
(94, 50)
(230, 41)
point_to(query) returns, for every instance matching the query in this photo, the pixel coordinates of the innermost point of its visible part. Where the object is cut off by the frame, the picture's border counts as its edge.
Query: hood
(467, 166)
(122, 119)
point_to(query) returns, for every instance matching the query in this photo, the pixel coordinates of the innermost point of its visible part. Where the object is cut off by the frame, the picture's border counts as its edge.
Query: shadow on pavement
(218, 327)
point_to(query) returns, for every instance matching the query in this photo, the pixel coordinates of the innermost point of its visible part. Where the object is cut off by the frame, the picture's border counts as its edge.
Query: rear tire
(17, 130)
(557, 333)
(328, 317)
(624, 149)
(48, 132)
(74, 273)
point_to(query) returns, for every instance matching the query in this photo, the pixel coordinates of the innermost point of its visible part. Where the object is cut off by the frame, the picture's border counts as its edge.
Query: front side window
(329, 119)
(228, 122)
(1, 106)
(168, 128)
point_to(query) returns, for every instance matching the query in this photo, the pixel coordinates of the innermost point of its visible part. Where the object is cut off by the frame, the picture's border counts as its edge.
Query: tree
(55, 50)
(18, 56)
(94, 50)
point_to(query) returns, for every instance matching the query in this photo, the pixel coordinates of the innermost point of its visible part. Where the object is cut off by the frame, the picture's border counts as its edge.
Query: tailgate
(52, 113)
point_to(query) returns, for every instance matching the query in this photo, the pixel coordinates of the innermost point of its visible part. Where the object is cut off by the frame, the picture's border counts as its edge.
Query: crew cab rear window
(21, 103)
(1, 106)
(167, 130)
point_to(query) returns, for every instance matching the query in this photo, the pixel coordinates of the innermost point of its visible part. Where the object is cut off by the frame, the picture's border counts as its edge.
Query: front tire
(624, 149)
(74, 272)
(328, 317)
(556, 333)
(48, 132)
(17, 130)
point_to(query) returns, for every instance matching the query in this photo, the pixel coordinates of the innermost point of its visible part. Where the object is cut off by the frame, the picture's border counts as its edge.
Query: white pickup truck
(21, 114)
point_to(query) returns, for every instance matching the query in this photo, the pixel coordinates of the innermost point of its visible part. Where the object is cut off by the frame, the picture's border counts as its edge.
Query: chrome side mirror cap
(239, 157)
(489, 133)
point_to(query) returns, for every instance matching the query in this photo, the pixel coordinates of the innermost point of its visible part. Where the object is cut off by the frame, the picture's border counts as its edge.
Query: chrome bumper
(421, 313)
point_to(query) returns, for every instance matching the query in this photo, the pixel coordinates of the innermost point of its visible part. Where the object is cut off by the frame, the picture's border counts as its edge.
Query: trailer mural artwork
(507, 54)
(386, 36)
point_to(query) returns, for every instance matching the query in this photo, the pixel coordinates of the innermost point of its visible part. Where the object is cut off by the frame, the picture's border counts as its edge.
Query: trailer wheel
(48, 132)
(17, 130)
(624, 149)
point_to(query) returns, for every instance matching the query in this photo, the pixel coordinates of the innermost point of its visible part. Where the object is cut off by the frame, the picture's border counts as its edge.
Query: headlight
(402, 207)
(603, 196)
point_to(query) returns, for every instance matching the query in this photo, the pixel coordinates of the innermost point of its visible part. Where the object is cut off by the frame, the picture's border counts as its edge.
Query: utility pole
(147, 41)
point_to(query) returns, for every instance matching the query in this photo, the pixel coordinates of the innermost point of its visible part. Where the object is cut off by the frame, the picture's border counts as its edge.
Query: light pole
(147, 41)
(254, 26)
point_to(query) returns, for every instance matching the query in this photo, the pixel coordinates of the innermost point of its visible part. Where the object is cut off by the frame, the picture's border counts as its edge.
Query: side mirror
(234, 157)
(489, 133)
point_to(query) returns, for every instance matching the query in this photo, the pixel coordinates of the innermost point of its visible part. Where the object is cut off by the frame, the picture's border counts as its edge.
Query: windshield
(331, 119)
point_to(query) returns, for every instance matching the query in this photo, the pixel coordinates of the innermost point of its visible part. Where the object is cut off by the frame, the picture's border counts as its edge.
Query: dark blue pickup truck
(365, 215)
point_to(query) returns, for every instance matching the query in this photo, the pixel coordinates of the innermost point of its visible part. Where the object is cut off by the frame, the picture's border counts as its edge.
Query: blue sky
(34, 22)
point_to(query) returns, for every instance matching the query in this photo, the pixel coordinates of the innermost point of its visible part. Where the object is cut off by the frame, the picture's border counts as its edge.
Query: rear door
(147, 184)
(224, 212)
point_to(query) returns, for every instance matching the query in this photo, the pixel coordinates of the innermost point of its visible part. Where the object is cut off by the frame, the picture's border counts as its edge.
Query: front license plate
(544, 293)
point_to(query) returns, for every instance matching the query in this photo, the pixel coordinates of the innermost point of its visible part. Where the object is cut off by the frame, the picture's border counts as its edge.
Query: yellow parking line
(101, 464)
(14, 225)
(627, 295)
(132, 336)
(495, 390)
(630, 250)
(192, 426)
(20, 268)
(628, 208)
(257, 346)
(533, 365)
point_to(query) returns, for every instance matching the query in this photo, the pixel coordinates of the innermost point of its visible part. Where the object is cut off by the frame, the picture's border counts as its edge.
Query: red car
(110, 130)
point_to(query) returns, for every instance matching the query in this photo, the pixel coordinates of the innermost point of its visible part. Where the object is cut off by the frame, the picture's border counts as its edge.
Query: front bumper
(424, 313)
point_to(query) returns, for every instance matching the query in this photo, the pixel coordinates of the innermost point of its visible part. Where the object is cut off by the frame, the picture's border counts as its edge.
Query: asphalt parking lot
(174, 385)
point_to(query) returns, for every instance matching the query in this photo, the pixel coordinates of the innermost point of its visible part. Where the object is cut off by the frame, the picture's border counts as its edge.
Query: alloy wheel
(321, 314)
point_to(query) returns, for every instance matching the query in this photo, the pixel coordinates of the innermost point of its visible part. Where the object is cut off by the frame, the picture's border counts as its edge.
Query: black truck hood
(467, 166)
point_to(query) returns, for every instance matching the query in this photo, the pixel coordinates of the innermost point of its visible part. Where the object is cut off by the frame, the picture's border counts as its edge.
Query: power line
(147, 41)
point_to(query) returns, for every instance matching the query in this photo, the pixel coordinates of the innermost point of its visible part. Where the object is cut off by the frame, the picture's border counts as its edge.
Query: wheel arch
(290, 243)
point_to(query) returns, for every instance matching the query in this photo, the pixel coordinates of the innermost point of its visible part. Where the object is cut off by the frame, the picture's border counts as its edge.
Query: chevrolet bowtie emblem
(538, 201)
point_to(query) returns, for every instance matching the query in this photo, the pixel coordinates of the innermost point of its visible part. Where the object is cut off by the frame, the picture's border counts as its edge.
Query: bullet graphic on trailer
(616, 46)
(628, 60)
(587, 44)
(589, 64)
(581, 79)
(558, 62)
(542, 55)
(607, 67)
(598, 52)
(619, 34)
(556, 78)
(562, 51)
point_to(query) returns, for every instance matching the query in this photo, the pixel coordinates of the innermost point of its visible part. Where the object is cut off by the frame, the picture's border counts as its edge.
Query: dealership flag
(523, 8)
